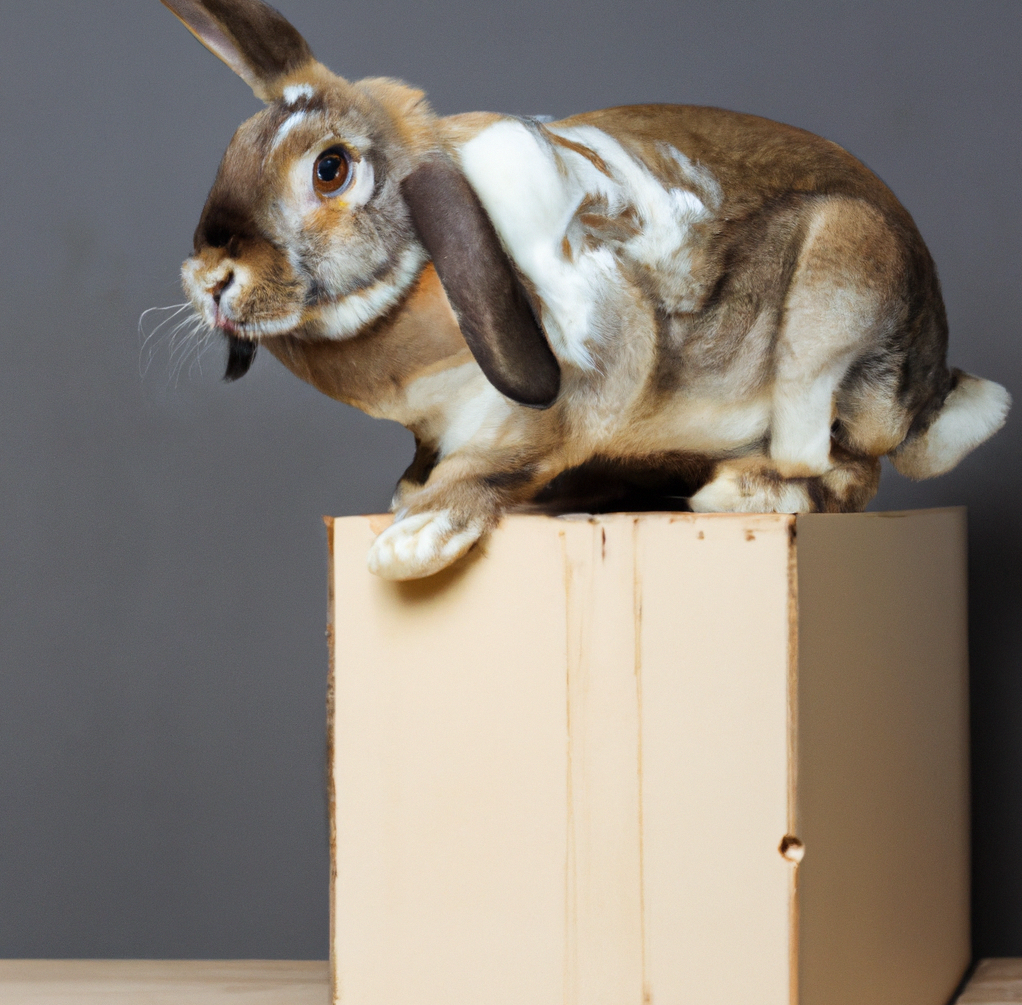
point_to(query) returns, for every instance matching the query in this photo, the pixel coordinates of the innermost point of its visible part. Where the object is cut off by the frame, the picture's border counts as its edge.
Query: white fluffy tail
(973, 411)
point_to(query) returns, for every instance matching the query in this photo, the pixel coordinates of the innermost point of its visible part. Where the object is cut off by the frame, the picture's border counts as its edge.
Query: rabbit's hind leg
(831, 417)
(755, 485)
(844, 298)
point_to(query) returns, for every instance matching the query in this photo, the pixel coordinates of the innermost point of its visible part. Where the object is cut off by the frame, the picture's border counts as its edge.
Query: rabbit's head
(305, 228)
(330, 201)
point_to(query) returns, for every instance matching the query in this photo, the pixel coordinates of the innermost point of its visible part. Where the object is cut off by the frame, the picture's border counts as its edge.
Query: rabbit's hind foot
(756, 486)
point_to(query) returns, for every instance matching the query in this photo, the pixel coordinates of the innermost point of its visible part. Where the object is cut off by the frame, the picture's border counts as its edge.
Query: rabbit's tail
(972, 412)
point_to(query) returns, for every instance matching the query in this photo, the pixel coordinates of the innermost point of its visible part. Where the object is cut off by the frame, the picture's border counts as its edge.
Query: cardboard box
(654, 760)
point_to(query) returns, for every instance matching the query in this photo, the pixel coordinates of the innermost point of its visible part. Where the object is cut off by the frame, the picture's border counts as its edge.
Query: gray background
(162, 562)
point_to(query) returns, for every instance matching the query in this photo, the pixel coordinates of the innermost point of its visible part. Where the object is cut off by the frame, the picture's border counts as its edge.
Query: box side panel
(883, 758)
(604, 952)
(331, 788)
(713, 674)
(451, 773)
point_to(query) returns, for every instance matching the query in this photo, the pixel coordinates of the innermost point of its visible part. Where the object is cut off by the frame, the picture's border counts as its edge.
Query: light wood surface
(164, 982)
(994, 983)
(278, 982)
(883, 786)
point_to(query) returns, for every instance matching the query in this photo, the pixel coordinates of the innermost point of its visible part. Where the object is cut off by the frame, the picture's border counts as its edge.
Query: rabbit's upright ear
(253, 39)
(481, 284)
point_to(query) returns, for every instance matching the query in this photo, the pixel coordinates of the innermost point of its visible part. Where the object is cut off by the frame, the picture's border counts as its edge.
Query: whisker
(145, 358)
(182, 333)
(182, 342)
(171, 307)
(202, 346)
(190, 343)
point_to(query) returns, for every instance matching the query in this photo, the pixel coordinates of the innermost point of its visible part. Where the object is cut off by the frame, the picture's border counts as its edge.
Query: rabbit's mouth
(226, 325)
(245, 290)
(255, 330)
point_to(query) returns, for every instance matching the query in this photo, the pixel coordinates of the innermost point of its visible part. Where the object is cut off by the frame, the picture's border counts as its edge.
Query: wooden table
(277, 982)
(994, 982)
(164, 982)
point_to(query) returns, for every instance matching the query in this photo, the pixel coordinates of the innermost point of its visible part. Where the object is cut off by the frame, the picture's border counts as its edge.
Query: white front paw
(420, 545)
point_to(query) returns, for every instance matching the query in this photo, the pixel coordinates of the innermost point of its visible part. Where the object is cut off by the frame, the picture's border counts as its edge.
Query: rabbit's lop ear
(253, 39)
(481, 284)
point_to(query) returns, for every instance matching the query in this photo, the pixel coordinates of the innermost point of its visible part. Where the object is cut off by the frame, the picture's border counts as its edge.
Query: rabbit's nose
(218, 290)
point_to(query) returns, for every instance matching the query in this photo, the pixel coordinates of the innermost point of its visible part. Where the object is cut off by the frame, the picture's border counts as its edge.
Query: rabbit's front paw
(421, 544)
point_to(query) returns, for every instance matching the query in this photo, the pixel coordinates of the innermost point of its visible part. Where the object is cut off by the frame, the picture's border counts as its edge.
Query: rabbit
(652, 302)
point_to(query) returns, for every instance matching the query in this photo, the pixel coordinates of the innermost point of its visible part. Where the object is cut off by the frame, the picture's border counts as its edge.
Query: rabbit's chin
(253, 331)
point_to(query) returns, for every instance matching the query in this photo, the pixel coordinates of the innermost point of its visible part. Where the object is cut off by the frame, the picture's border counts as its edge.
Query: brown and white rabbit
(687, 300)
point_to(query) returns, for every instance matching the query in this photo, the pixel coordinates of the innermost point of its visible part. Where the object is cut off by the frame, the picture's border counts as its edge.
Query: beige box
(667, 759)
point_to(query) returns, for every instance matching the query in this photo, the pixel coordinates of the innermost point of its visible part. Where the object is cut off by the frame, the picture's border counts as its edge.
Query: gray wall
(162, 561)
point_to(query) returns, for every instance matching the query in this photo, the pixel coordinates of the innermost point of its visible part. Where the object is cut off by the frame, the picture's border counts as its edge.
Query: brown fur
(371, 369)
(253, 39)
(800, 313)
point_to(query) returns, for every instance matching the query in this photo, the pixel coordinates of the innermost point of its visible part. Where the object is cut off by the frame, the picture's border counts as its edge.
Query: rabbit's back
(753, 159)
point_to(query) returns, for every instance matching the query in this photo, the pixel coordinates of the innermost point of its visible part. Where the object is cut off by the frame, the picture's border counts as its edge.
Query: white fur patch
(349, 315)
(532, 191)
(699, 177)
(456, 405)
(294, 93)
(360, 189)
(666, 215)
(972, 413)
(294, 119)
(279, 326)
(531, 204)
(476, 419)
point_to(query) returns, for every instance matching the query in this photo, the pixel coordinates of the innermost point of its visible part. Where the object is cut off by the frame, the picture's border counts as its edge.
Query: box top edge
(683, 516)
(893, 514)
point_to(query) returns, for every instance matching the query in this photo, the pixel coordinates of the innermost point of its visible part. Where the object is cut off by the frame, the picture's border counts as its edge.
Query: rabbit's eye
(332, 171)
